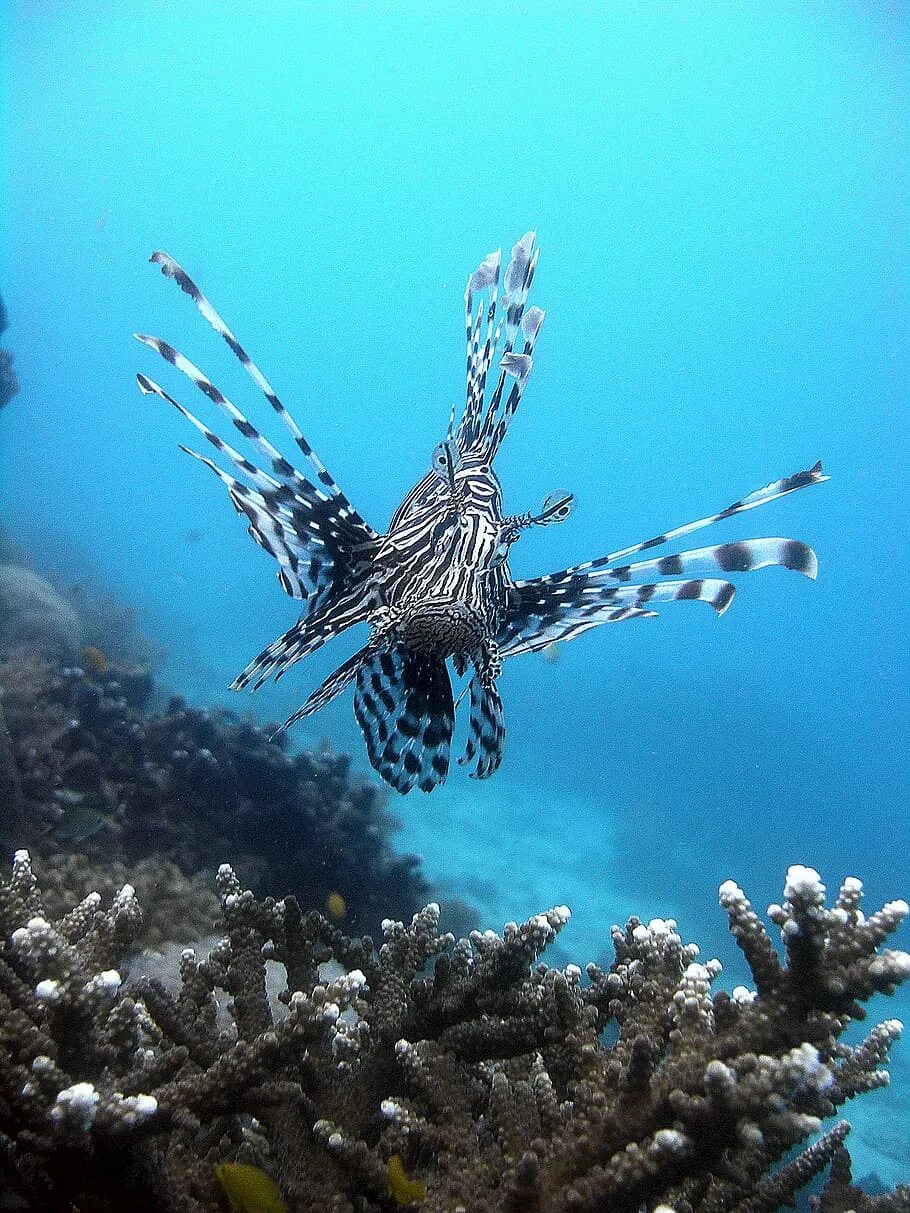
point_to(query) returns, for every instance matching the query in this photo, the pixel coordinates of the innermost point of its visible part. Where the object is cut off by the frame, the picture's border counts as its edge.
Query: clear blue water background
(721, 196)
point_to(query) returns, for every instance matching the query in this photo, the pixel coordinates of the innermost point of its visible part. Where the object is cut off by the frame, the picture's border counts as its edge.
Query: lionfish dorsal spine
(484, 281)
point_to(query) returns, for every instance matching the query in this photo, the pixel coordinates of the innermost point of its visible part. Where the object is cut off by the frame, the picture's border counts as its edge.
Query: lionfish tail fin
(403, 704)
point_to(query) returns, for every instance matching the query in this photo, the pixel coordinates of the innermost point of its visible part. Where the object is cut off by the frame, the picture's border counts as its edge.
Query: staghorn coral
(841, 1195)
(466, 1070)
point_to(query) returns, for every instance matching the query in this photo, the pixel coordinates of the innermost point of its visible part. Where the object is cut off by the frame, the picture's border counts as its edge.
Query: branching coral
(464, 1074)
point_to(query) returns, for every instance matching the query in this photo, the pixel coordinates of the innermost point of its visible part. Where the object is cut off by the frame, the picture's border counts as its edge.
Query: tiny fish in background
(437, 586)
(94, 661)
(249, 1188)
(78, 821)
(551, 652)
(403, 1191)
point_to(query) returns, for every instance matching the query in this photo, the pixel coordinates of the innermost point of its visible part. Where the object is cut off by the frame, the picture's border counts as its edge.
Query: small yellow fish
(249, 1188)
(402, 1190)
(336, 906)
(94, 661)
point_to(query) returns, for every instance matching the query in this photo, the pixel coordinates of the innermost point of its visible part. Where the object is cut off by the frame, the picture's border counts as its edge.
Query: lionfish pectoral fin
(336, 682)
(771, 492)
(541, 614)
(565, 604)
(403, 704)
(300, 640)
(742, 556)
(486, 730)
(311, 529)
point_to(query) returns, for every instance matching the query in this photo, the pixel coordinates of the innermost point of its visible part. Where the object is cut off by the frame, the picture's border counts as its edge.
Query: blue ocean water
(721, 199)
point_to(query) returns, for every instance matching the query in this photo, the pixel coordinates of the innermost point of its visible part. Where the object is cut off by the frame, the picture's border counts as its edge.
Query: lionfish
(436, 586)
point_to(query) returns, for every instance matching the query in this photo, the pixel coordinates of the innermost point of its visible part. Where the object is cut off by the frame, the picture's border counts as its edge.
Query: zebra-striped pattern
(403, 704)
(487, 732)
(437, 585)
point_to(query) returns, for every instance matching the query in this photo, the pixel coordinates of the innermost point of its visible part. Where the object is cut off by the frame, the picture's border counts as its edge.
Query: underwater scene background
(720, 194)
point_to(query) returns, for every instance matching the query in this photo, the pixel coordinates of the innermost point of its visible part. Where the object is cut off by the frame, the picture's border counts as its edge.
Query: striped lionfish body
(436, 587)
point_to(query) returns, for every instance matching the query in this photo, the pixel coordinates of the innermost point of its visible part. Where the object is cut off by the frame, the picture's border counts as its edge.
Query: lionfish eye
(446, 459)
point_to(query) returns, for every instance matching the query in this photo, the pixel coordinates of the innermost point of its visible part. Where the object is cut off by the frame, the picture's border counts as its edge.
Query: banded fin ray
(403, 704)
(171, 269)
(338, 681)
(771, 492)
(742, 556)
(543, 612)
(486, 730)
(517, 367)
(484, 279)
(301, 535)
(300, 640)
(478, 432)
(280, 468)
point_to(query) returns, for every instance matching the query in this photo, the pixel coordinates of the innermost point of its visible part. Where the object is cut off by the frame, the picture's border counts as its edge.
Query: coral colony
(443, 1074)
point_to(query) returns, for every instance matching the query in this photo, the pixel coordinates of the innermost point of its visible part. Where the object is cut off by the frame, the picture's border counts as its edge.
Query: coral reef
(98, 774)
(9, 383)
(458, 1076)
(842, 1196)
(33, 614)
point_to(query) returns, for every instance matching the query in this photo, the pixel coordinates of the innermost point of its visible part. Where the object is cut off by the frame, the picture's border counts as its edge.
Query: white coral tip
(48, 991)
(803, 882)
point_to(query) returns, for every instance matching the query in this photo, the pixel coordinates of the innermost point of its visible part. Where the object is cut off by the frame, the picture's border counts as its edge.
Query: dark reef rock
(455, 1076)
(9, 382)
(100, 775)
(34, 615)
(88, 770)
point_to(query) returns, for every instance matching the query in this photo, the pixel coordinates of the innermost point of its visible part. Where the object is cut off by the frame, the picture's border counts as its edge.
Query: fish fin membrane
(300, 640)
(486, 730)
(482, 432)
(403, 704)
(336, 682)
